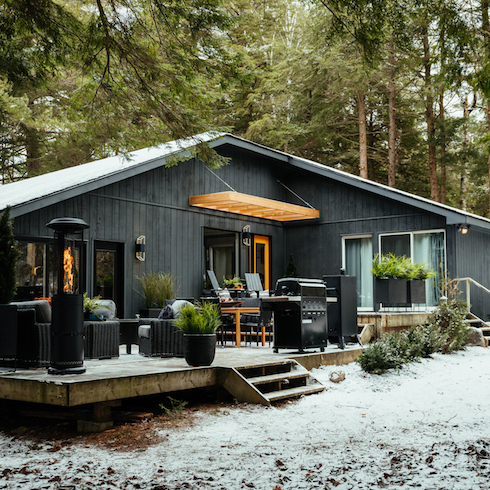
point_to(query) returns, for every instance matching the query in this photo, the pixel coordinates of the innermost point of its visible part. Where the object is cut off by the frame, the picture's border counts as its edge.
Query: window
(427, 247)
(358, 257)
(37, 275)
(221, 253)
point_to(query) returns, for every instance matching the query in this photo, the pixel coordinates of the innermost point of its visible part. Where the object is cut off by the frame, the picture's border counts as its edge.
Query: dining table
(236, 310)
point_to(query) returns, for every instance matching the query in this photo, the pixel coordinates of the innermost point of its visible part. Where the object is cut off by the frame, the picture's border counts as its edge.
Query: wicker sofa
(34, 335)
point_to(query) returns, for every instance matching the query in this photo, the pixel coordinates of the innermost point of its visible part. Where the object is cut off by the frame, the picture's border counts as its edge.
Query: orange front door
(261, 259)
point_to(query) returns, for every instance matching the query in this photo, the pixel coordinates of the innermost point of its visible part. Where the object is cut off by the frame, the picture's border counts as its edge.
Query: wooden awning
(234, 202)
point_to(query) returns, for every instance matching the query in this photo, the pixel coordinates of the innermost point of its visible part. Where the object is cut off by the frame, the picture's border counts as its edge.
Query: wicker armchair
(160, 338)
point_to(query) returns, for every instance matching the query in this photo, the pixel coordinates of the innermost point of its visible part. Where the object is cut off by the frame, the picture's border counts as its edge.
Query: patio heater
(67, 307)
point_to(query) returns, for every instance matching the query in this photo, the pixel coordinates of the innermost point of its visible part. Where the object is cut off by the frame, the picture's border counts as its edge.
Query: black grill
(300, 314)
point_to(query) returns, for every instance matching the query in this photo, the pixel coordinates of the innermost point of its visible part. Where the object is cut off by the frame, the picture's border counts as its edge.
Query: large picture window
(427, 247)
(36, 274)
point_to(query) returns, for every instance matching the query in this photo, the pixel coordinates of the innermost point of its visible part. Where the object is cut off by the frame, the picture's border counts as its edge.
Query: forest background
(394, 91)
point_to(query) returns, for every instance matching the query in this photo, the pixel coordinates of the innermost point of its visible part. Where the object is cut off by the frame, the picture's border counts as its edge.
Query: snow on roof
(29, 190)
(51, 185)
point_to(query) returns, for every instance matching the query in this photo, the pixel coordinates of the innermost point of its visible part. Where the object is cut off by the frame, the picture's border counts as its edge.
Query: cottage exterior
(329, 220)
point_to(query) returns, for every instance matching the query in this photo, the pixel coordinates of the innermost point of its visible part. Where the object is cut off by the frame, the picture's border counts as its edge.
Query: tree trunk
(442, 164)
(486, 35)
(429, 116)
(391, 118)
(361, 109)
(464, 171)
(463, 186)
(370, 147)
(33, 151)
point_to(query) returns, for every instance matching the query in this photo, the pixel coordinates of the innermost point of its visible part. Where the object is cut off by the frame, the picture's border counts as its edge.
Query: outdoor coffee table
(129, 332)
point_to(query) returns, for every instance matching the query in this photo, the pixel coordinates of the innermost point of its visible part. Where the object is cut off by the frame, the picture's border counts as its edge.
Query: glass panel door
(428, 248)
(358, 257)
(221, 253)
(109, 273)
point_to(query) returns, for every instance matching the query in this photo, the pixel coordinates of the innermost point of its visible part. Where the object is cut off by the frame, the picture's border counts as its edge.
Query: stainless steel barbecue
(300, 314)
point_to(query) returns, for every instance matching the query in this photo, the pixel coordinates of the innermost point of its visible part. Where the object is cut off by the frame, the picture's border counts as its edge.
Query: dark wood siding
(345, 211)
(155, 204)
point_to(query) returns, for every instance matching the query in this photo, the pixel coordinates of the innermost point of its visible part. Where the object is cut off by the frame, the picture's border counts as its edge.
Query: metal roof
(30, 194)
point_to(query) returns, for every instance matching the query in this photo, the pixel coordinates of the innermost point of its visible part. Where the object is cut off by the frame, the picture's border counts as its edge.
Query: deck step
(282, 380)
(278, 377)
(294, 392)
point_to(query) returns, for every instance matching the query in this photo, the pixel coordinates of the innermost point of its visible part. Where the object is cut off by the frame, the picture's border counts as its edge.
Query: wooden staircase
(271, 382)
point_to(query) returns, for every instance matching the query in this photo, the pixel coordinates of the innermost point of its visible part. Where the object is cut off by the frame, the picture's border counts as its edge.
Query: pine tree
(8, 258)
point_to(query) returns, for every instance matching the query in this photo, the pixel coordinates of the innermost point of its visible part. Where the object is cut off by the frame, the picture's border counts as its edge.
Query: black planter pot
(392, 292)
(416, 290)
(199, 349)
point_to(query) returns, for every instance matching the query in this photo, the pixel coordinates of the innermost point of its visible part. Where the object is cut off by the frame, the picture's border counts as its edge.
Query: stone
(476, 337)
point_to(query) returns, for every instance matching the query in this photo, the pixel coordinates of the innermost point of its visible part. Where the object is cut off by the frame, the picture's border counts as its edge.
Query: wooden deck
(131, 375)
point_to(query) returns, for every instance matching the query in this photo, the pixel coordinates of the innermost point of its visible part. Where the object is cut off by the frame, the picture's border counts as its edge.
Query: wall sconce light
(464, 229)
(140, 248)
(246, 236)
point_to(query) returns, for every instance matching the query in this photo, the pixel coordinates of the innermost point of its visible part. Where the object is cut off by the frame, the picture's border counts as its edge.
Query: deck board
(132, 375)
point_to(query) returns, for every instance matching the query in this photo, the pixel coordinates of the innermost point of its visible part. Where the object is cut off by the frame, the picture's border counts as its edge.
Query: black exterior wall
(155, 204)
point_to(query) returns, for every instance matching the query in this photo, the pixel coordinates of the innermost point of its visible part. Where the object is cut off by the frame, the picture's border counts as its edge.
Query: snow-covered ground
(427, 426)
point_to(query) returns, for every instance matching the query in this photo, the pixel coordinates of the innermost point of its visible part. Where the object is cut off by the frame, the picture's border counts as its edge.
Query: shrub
(449, 319)
(444, 331)
(8, 258)
(378, 358)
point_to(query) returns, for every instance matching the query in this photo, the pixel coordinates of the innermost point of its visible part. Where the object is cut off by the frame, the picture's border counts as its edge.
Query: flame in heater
(68, 268)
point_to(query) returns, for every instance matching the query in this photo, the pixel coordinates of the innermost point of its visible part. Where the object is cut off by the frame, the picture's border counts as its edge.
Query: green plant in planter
(391, 266)
(92, 304)
(421, 272)
(235, 283)
(8, 258)
(203, 318)
(199, 324)
(157, 287)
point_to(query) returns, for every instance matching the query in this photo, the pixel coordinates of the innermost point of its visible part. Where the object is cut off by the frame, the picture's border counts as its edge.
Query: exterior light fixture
(140, 248)
(464, 229)
(246, 236)
(67, 329)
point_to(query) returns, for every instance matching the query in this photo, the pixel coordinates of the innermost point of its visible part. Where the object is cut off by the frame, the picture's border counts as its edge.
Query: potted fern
(419, 273)
(199, 323)
(398, 281)
(391, 273)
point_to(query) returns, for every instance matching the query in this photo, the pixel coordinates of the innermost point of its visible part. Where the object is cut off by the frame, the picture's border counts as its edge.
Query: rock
(476, 337)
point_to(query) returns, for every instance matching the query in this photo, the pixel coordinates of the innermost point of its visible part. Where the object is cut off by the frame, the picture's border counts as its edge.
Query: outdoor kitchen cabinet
(342, 308)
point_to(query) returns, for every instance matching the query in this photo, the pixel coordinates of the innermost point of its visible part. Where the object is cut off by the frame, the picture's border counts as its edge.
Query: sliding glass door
(358, 256)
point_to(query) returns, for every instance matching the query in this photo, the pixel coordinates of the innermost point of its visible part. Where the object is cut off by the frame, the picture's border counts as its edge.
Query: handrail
(469, 280)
